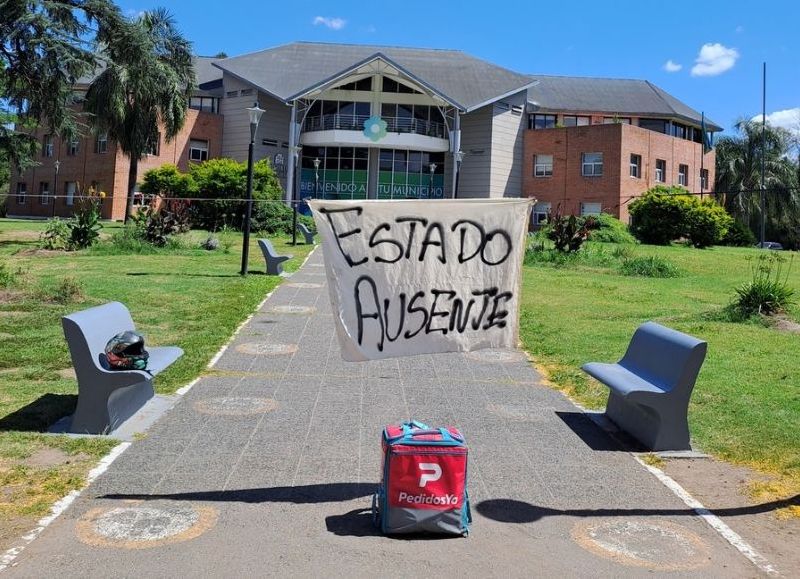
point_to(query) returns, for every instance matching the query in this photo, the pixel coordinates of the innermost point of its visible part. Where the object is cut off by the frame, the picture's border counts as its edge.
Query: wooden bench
(274, 261)
(651, 385)
(107, 398)
(308, 235)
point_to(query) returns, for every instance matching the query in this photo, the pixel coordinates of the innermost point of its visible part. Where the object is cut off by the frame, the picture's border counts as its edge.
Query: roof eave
(254, 85)
(502, 96)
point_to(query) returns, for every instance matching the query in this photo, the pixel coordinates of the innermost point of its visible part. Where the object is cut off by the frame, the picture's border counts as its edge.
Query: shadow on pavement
(357, 523)
(40, 414)
(513, 511)
(595, 437)
(309, 494)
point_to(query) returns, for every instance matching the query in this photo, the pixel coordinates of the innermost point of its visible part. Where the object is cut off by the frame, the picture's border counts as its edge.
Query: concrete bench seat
(273, 259)
(650, 387)
(308, 235)
(106, 397)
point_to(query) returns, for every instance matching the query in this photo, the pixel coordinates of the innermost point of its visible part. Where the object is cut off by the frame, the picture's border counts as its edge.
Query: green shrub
(56, 235)
(66, 291)
(569, 232)
(705, 222)
(158, 224)
(611, 230)
(767, 292)
(665, 214)
(7, 277)
(128, 239)
(739, 235)
(649, 266)
(222, 179)
(85, 226)
(168, 181)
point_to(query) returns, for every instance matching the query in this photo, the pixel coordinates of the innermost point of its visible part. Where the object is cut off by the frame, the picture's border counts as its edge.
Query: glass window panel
(362, 109)
(388, 110)
(347, 108)
(330, 107)
(386, 160)
(414, 162)
(361, 153)
(421, 113)
(361, 164)
(570, 121)
(404, 111)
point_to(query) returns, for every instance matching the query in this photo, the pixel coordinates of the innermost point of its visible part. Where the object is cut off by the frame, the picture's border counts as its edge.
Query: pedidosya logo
(426, 499)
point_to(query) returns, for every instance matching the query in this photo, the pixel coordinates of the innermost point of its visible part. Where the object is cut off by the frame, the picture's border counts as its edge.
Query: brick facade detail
(105, 171)
(616, 187)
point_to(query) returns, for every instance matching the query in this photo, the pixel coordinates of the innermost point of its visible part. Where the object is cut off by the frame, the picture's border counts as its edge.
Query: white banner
(420, 277)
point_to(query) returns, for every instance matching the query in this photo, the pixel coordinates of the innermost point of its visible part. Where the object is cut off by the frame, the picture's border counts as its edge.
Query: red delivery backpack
(424, 481)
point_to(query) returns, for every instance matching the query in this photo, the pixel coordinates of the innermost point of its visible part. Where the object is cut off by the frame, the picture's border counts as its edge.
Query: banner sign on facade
(421, 277)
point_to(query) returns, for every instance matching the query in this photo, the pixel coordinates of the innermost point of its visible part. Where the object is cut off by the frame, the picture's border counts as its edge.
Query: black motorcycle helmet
(125, 351)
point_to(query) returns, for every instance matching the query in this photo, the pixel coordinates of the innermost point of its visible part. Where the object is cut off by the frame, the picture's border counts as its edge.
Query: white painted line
(716, 523)
(60, 506)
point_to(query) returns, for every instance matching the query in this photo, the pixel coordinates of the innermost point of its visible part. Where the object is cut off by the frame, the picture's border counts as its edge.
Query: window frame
(635, 166)
(73, 147)
(22, 192)
(192, 149)
(44, 192)
(592, 164)
(154, 147)
(704, 179)
(533, 117)
(578, 118)
(48, 146)
(101, 138)
(537, 164)
(585, 203)
(662, 171)
(541, 216)
(683, 174)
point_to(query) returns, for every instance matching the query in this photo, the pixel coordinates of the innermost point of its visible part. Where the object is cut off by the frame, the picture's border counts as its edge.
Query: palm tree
(738, 183)
(144, 88)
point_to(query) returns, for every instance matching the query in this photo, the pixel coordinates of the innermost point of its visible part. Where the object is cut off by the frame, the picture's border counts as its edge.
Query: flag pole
(763, 151)
(702, 150)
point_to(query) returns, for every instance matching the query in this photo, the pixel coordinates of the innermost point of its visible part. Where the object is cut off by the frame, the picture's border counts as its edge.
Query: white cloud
(332, 23)
(714, 59)
(788, 119)
(670, 66)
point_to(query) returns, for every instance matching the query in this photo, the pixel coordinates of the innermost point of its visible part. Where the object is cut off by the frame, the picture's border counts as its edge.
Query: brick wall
(616, 188)
(107, 171)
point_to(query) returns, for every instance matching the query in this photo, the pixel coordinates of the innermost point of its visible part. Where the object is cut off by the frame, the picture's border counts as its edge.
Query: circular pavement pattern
(143, 526)
(261, 349)
(655, 545)
(292, 310)
(495, 356)
(235, 405)
(304, 285)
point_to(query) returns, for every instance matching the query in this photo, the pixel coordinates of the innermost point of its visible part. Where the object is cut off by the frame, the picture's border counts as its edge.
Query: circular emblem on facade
(494, 356)
(235, 405)
(655, 545)
(375, 128)
(304, 285)
(261, 349)
(144, 526)
(300, 310)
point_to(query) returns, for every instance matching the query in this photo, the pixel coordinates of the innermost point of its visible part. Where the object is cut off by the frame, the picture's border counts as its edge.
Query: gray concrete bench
(106, 398)
(274, 261)
(651, 385)
(307, 233)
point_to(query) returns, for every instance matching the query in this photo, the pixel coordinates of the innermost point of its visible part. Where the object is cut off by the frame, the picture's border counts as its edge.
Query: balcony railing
(393, 125)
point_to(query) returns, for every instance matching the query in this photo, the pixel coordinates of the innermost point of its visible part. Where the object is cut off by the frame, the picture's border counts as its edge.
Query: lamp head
(316, 163)
(432, 167)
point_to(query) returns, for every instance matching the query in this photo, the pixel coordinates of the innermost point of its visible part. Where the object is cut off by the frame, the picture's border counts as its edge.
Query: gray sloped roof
(289, 70)
(209, 77)
(610, 95)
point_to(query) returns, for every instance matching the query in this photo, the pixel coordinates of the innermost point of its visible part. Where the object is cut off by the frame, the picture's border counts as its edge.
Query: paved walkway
(266, 467)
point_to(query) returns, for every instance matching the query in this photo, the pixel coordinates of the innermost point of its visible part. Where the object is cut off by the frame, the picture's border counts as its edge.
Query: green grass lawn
(187, 297)
(746, 405)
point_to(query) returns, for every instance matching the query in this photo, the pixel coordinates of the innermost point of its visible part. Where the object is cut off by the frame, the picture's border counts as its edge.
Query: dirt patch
(20, 235)
(4, 371)
(786, 325)
(8, 297)
(33, 252)
(9, 314)
(4, 336)
(12, 528)
(67, 374)
(722, 488)
(50, 457)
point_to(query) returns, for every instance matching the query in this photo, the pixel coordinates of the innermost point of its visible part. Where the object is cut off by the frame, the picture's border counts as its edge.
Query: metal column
(456, 146)
(290, 169)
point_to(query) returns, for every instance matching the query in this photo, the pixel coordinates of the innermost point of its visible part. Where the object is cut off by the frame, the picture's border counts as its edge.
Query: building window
(591, 208)
(657, 125)
(390, 85)
(153, 146)
(543, 166)
(365, 84)
(541, 212)
(47, 146)
(101, 143)
(73, 147)
(576, 121)
(44, 192)
(205, 104)
(246, 92)
(516, 110)
(22, 190)
(232, 94)
(636, 166)
(541, 121)
(683, 175)
(661, 170)
(616, 120)
(592, 164)
(198, 150)
(70, 187)
(704, 179)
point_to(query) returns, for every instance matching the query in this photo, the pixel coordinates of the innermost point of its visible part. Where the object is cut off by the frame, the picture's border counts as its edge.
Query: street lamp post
(316, 177)
(296, 152)
(255, 113)
(56, 165)
(432, 168)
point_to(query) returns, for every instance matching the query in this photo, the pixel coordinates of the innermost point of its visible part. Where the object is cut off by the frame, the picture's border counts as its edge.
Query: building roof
(287, 71)
(209, 77)
(610, 95)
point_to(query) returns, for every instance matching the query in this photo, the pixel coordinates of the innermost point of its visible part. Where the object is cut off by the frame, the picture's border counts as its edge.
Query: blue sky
(715, 48)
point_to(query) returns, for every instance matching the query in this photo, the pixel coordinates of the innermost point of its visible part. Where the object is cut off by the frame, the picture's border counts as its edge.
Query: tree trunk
(132, 174)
